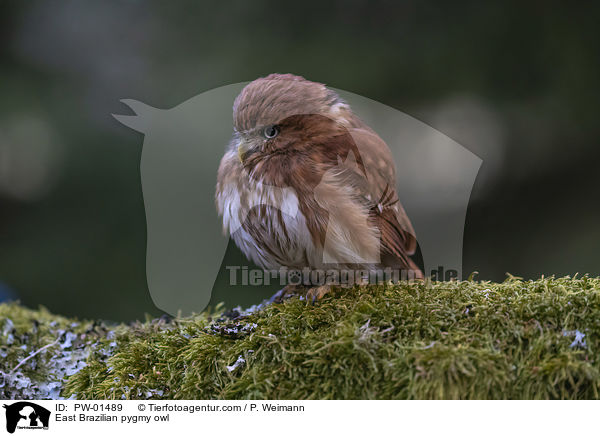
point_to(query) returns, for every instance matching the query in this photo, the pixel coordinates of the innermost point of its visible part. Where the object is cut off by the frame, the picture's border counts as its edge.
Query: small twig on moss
(34, 354)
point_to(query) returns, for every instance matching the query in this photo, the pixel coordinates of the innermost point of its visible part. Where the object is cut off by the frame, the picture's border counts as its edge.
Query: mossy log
(442, 340)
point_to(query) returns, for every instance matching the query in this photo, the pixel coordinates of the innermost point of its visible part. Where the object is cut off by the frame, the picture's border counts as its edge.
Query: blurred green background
(515, 83)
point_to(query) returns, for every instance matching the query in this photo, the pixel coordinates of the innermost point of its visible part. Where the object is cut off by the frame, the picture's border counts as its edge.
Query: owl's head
(268, 100)
(283, 114)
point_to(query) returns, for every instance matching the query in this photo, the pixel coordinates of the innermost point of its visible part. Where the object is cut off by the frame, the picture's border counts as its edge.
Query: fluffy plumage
(305, 183)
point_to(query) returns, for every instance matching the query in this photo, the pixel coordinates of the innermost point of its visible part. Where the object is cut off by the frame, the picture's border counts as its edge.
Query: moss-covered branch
(517, 339)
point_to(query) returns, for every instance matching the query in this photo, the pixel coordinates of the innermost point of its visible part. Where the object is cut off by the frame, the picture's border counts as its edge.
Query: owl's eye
(271, 132)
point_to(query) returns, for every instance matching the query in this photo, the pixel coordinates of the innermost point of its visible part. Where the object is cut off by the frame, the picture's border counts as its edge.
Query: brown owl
(305, 184)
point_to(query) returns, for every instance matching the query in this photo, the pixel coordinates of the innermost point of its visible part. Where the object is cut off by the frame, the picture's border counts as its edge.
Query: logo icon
(181, 152)
(26, 415)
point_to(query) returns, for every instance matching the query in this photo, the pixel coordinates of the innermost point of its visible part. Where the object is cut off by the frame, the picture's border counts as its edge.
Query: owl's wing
(374, 183)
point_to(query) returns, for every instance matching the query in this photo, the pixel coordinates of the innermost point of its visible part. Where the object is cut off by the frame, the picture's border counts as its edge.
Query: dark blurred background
(514, 82)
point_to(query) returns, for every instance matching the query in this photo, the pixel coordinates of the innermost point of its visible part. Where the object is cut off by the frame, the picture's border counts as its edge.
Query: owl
(306, 184)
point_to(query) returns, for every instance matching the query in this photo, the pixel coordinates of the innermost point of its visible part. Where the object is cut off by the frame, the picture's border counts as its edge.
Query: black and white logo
(26, 415)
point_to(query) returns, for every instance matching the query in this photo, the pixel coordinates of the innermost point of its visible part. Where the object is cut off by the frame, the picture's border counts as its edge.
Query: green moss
(517, 339)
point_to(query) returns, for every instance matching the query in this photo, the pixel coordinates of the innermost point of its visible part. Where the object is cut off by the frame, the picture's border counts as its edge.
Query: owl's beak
(244, 150)
(241, 151)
